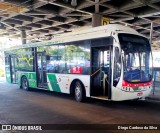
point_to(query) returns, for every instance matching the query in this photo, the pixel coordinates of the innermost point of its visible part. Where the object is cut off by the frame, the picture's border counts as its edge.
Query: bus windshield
(137, 58)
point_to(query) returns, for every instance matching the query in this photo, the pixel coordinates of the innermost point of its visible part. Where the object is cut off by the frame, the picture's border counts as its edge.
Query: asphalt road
(18, 106)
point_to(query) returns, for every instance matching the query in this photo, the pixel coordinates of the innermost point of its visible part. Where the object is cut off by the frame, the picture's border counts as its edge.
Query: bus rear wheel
(24, 83)
(79, 93)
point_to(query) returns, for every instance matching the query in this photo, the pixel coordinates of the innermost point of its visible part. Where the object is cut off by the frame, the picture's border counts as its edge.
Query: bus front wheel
(24, 83)
(79, 92)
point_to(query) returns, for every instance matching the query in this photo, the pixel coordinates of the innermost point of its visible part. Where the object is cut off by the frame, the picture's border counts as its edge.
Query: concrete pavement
(18, 106)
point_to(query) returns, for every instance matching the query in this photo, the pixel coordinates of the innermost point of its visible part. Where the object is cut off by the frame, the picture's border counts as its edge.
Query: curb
(153, 98)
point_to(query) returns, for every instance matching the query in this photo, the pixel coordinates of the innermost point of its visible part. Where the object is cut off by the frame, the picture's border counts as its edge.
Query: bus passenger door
(11, 68)
(101, 72)
(14, 68)
(8, 68)
(41, 69)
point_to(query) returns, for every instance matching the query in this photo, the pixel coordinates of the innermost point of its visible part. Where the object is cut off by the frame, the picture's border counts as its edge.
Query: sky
(9, 42)
(156, 59)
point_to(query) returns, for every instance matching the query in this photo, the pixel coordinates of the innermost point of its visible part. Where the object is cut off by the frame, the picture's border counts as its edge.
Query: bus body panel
(8, 76)
(130, 90)
(121, 94)
(31, 77)
(57, 82)
(62, 82)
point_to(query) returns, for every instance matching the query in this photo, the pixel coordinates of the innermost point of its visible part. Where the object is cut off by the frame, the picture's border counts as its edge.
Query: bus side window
(78, 57)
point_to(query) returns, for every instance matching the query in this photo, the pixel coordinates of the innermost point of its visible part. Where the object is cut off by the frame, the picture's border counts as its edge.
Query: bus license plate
(139, 93)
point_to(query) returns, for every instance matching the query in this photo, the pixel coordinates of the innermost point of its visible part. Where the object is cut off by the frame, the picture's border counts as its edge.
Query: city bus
(112, 62)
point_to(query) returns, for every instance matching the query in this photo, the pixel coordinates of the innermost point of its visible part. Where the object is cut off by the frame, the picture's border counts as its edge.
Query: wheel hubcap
(78, 92)
(24, 84)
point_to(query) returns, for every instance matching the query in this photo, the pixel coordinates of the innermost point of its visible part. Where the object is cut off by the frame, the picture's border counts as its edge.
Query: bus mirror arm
(114, 38)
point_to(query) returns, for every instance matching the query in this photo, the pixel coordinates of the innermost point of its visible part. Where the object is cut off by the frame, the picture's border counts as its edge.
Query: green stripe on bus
(53, 82)
(8, 76)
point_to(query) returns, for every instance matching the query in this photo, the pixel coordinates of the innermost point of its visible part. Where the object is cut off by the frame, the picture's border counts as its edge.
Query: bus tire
(79, 92)
(24, 83)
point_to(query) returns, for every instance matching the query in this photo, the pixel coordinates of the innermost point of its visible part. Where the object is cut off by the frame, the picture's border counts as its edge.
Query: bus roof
(91, 33)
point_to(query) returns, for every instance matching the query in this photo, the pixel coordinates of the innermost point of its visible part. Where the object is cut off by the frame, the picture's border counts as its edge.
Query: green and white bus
(111, 62)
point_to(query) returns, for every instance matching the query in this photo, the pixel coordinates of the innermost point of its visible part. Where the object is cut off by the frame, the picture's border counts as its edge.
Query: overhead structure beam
(12, 27)
(97, 6)
(8, 7)
(41, 17)
(38, 3)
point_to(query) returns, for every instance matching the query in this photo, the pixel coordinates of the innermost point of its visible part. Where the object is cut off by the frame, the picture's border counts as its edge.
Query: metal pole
(154, 82)
(23, 36)
(151, 32)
